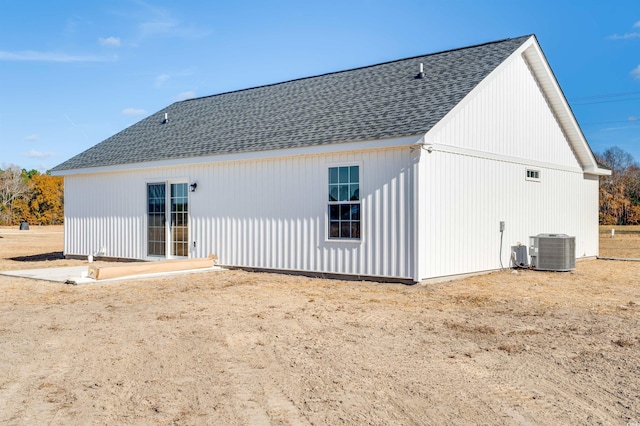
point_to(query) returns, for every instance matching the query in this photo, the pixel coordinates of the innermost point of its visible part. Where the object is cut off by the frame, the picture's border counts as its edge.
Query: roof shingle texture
(369, 103)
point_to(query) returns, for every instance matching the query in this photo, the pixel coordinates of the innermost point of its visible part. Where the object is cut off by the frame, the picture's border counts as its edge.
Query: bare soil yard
(234, 347)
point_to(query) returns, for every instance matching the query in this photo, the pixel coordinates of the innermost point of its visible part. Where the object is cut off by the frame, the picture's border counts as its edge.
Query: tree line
(38, 198)
(620, 192)
(31, 196)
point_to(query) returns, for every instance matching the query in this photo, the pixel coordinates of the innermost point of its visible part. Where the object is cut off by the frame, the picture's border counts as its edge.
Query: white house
(403, 170)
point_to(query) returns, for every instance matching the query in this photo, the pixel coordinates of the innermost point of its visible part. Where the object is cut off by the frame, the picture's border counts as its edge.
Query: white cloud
(31, 55)
(636, 72)
(32, 138)
(133, 111)
(171, 28)
(159, 22)
(624, 36)
(632, 118)
(161, 79)
(38, 154)
(110, 41)
(185, 95)
(148, 29)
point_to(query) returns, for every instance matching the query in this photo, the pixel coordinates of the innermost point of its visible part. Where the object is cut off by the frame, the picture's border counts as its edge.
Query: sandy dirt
(237, 348)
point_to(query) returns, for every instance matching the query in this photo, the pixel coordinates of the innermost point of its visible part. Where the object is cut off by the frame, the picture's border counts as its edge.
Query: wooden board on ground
(129, 269)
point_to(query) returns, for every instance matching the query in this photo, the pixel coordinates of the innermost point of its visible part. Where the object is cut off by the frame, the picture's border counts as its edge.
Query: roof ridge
(353, 69)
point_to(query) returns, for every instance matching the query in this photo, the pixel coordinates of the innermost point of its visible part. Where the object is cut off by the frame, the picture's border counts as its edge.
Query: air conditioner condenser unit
(553, 252)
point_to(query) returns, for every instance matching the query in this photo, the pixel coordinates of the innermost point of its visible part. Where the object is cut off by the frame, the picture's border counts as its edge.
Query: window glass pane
(345, 212)
(355, 229)
(333, 192)
(355, 178)
(333, 175)
(334, 230)
(344, 174)
(344, 193)
(354, 192)
(355, 211)
(345, 230)
(334, 212)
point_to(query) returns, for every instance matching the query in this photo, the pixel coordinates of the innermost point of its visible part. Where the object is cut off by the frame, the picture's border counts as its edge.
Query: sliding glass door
(167, 219)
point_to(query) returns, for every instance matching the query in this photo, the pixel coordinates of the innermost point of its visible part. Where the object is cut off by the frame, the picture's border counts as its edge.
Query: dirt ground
(625, 243)
(236, 348)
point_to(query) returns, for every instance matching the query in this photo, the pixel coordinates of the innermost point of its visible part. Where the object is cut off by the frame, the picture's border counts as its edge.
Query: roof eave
(597, 171)
(385, 143)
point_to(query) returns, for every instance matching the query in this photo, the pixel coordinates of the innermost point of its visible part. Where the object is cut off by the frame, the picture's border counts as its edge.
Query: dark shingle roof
(374, 102)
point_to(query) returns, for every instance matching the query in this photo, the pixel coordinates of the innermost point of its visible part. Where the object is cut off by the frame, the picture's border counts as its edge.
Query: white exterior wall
(507, 115)
(268, 213)
(464, 198)
(475, 177)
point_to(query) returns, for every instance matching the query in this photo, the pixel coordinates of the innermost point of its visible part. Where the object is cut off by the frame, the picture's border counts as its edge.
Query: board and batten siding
(507, 114)
(269, 213)
(475, 177)
(463, 200)
(105, 213)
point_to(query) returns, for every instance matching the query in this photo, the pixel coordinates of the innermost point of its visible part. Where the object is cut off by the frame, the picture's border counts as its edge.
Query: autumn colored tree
(47, 198)
(13, 186)
(30, 196)
(620, 192)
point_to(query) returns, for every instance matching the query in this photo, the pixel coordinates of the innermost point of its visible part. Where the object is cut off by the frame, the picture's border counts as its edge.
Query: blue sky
(73, 73)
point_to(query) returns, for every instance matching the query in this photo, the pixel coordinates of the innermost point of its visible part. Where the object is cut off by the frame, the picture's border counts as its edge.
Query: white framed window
(344, 202)
(533, 175)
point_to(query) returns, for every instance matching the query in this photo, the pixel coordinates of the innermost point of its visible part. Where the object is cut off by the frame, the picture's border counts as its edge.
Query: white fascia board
(597, 171)
(533, 55)
(254, 155)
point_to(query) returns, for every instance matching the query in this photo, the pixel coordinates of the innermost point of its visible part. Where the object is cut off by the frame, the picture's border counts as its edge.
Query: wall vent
(553, 252)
